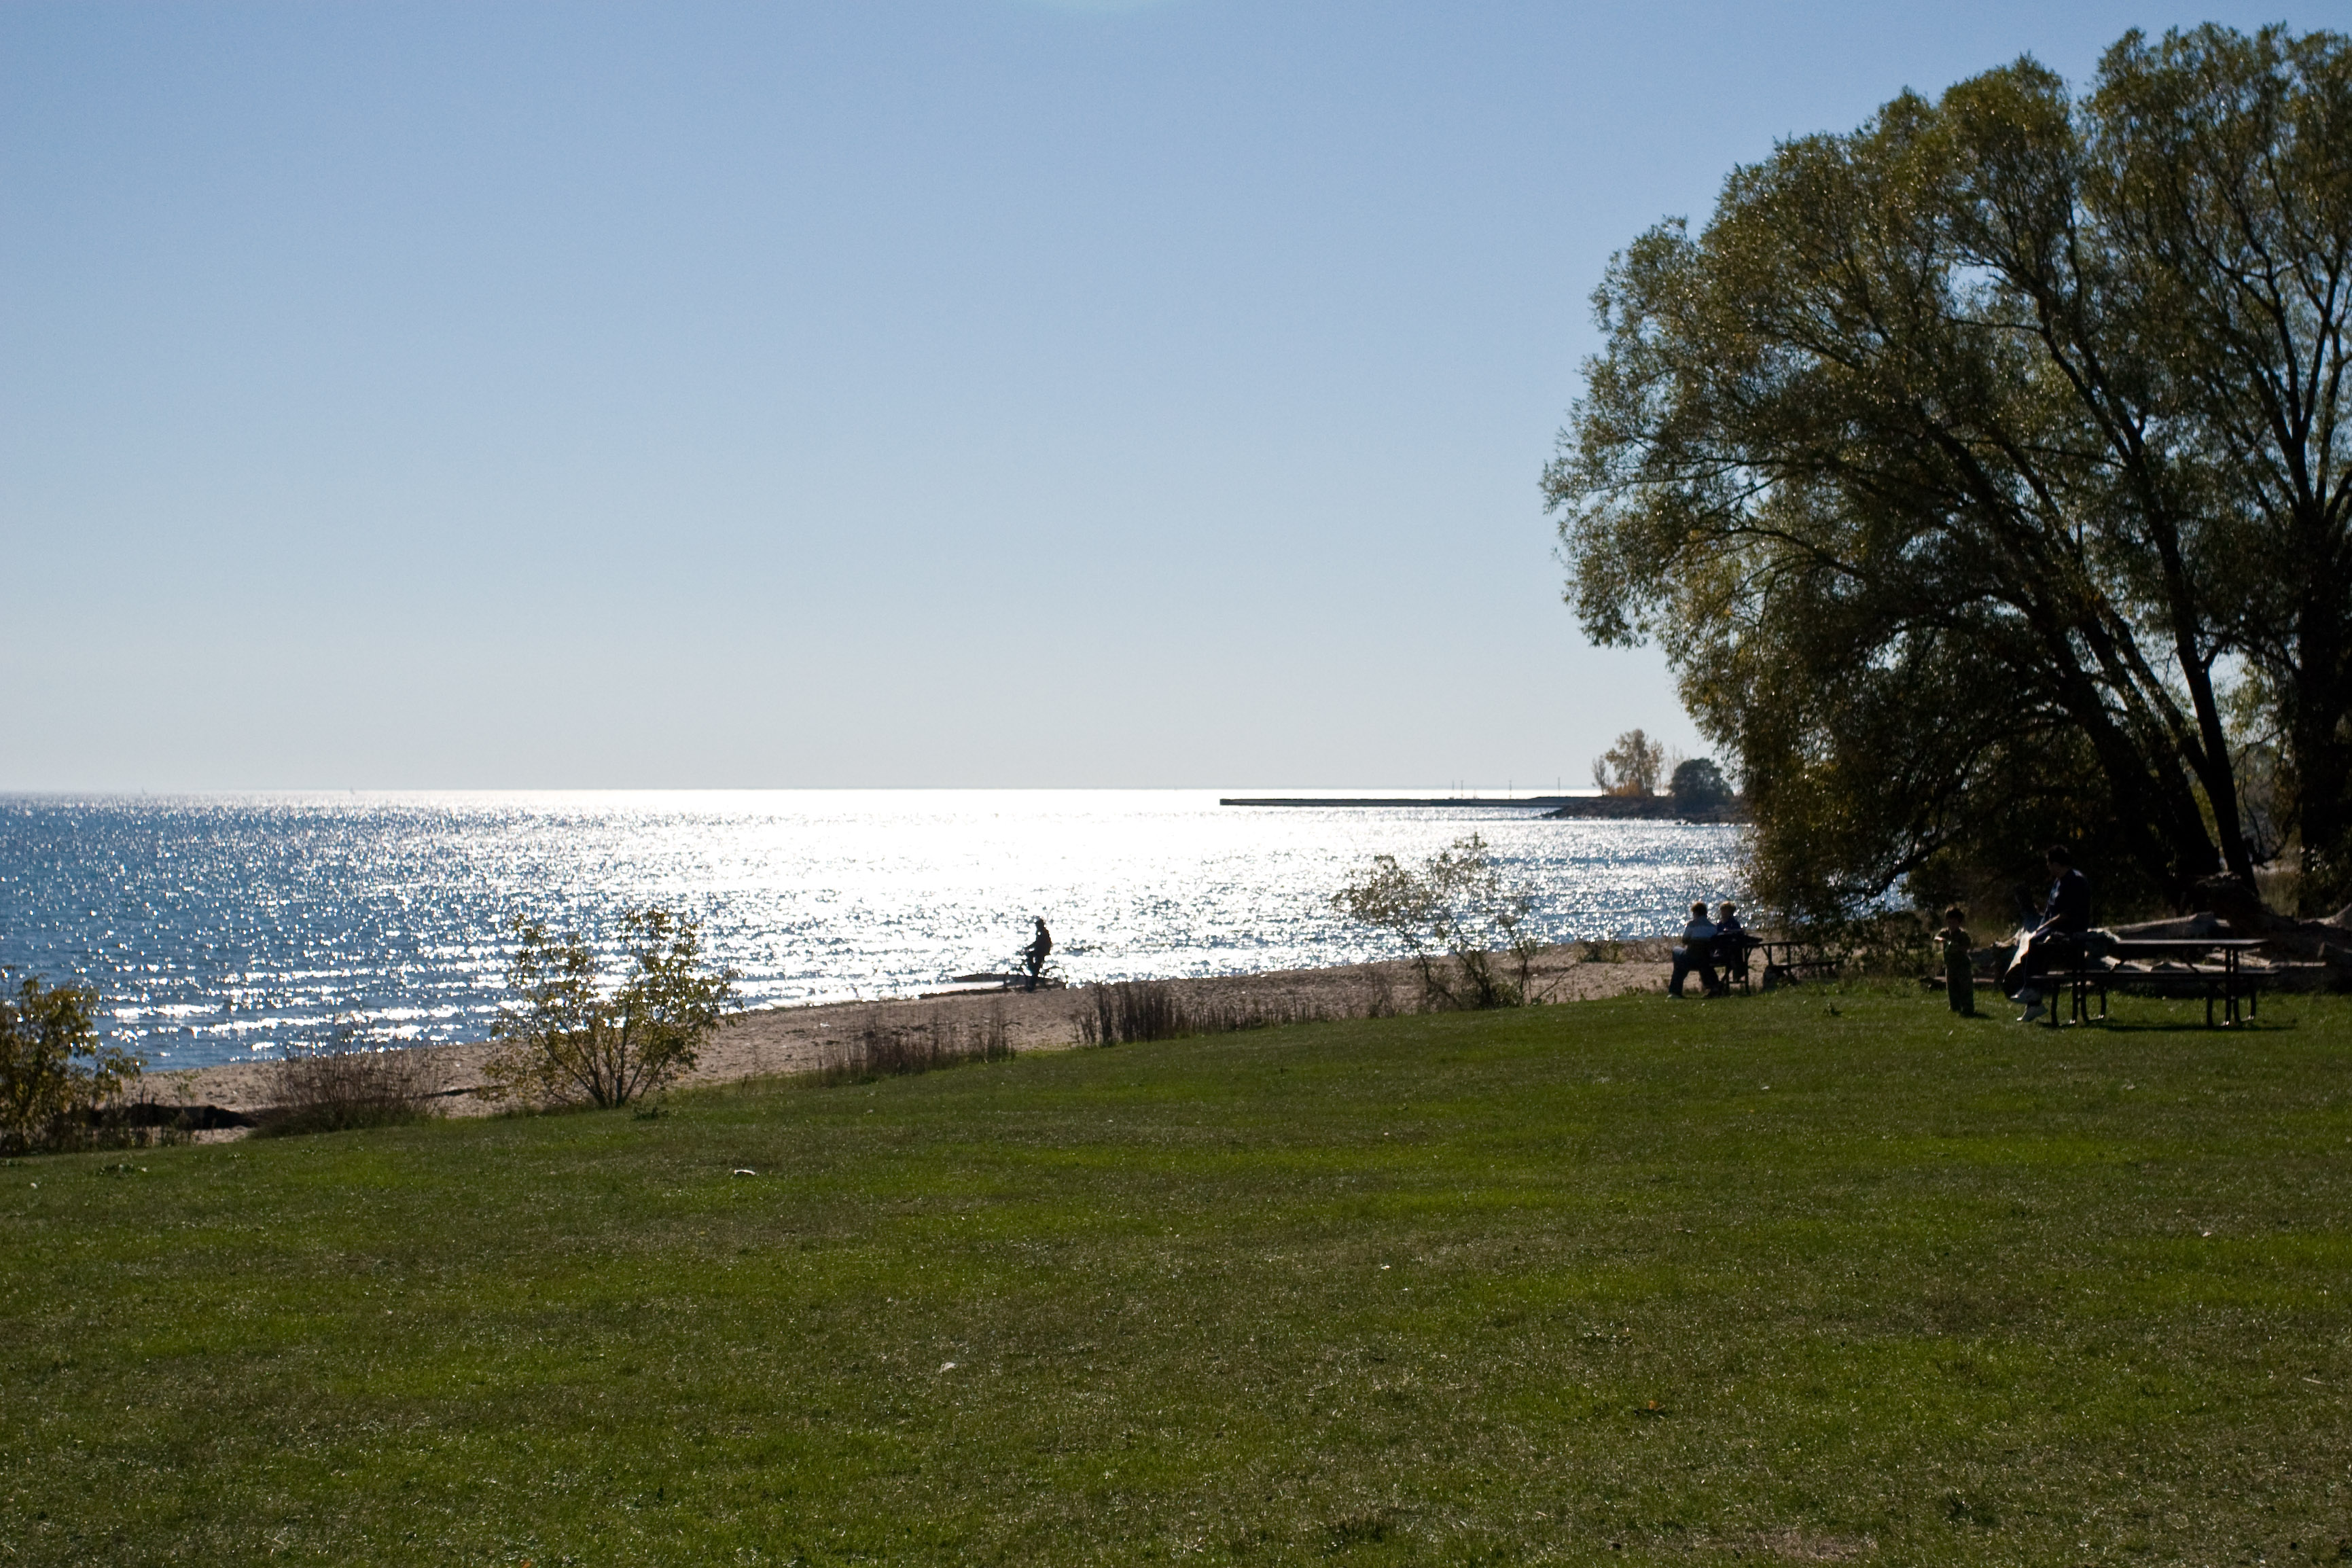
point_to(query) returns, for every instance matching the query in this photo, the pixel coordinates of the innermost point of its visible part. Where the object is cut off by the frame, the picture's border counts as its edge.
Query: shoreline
(775, 1041)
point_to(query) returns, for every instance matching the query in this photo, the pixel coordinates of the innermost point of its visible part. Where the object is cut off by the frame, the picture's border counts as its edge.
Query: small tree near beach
(567, 1038)
(55, 1077)
(1466, 929)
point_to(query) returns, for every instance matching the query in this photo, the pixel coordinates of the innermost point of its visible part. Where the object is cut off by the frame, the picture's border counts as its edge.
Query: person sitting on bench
(1731, 944)
(1696, 952)
(2057, 941)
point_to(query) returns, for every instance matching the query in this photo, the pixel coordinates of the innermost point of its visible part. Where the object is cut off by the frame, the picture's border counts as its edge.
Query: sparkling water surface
(218, 926)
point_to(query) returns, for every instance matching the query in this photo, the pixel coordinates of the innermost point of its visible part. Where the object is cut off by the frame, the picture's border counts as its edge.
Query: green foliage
(55, 1076)
(1955, 455)
(566, 1040)
(1884, 944)
(1699, 785)
(1631, 767)
(1457, 919)
(1616, 1282)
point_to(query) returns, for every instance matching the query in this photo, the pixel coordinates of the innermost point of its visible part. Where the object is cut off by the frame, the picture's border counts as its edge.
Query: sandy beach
(799, 1039)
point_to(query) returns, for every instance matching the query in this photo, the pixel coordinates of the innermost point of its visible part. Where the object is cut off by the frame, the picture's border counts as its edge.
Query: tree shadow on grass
(2188, 1025)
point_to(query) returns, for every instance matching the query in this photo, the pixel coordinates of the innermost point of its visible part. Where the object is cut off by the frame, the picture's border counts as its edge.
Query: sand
(777, 1041)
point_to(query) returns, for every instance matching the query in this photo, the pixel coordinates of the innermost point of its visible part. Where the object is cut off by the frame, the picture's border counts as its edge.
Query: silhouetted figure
(2057, 941)
(1959, 979)
(1033, 957)
(1696, 952)
(1731, 944)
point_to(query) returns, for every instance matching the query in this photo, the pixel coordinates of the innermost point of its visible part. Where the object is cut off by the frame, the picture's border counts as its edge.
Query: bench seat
(2228, 985)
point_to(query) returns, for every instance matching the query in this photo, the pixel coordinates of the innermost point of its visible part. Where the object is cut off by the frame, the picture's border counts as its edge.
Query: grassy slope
(1393, 1291)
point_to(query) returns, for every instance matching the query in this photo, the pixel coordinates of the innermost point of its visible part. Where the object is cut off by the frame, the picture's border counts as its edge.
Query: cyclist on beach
(1033, 957)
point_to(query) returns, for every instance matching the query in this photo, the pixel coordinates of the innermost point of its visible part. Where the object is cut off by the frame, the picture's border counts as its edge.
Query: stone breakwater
(1649, 809)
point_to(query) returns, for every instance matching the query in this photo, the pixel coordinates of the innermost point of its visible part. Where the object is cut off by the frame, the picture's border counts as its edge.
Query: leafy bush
(55, 1077)
(1457, 919)
(568, 1040)
(1884, 944)
(1892, 943)
(345, 1082)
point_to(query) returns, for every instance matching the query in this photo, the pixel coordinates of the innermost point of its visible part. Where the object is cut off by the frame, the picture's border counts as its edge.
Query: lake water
(218, 926)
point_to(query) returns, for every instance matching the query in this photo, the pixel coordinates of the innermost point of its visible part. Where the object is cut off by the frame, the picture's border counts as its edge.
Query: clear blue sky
(979, 391)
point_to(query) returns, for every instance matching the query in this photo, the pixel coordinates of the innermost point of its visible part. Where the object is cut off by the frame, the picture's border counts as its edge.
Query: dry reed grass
(1130, 1011)
(877, 1050)
(345, 1082)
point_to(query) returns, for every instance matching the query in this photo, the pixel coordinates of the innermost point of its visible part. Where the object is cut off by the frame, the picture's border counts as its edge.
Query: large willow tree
(1983, 474)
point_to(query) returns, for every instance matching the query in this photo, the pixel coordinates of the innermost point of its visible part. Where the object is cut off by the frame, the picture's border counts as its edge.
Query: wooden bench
(1731, 960)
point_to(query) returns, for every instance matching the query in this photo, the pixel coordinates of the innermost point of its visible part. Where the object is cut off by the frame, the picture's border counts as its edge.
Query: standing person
(1696, 952)
(1033, 957)
(1959, 983)
(2058, 939)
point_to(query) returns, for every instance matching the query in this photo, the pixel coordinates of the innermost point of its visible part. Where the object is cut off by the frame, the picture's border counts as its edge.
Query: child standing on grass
(1960, 985)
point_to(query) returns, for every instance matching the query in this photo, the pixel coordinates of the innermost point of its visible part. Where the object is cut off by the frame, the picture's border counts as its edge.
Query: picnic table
(2206, 964)
(1795, 959)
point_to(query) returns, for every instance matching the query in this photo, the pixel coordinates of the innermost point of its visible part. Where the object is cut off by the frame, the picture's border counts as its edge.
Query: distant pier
(1524, 801)
(1603, 807)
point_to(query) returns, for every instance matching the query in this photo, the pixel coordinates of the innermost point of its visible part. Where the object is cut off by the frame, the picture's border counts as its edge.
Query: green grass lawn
(1807, 1276)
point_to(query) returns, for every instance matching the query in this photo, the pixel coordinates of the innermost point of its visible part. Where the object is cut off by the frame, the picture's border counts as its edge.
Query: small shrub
(566, 1040)
(345, 1082)
(56, 1080)
(1890, 944)
(1464, 930)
